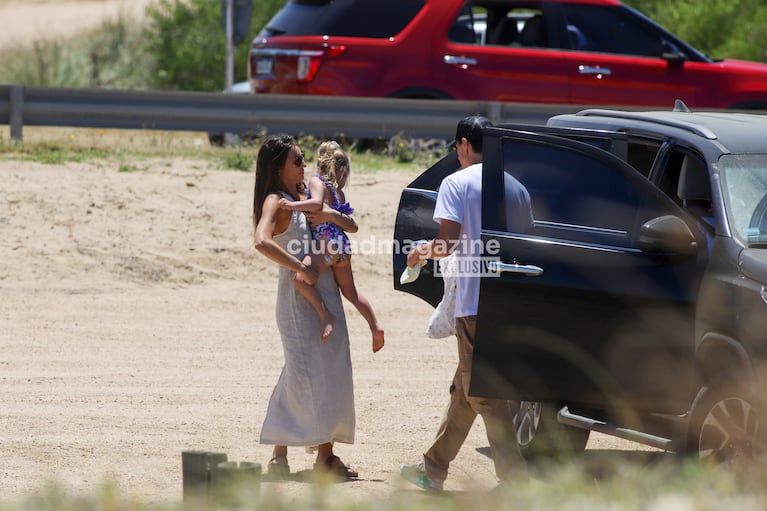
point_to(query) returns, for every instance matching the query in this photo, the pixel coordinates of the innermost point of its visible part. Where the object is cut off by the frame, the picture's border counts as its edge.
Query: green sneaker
(416, 474)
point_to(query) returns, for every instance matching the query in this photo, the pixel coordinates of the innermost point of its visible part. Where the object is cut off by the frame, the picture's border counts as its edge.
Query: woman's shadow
(312, 476)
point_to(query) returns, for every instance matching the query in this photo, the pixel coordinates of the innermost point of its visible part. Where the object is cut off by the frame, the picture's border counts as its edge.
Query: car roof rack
(653, 117)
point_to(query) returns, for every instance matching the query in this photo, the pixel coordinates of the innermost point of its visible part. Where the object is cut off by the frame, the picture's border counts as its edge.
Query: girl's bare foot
(327, 320)
(378, 339)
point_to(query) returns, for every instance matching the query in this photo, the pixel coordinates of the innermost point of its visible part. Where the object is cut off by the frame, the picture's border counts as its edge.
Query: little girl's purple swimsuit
(337, 240)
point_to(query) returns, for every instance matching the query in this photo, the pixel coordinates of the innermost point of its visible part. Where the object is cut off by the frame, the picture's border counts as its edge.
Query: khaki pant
(461, 412)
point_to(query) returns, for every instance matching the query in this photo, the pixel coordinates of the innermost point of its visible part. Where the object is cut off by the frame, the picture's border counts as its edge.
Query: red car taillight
(309, 61)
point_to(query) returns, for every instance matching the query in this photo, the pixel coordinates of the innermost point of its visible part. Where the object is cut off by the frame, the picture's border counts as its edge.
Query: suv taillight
(309, 61)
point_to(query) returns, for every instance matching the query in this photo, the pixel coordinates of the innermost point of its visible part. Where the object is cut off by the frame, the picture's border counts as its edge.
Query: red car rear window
(349, 18)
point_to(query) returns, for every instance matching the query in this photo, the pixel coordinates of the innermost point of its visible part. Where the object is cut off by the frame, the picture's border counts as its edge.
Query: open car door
(595, 306)
(414, 215)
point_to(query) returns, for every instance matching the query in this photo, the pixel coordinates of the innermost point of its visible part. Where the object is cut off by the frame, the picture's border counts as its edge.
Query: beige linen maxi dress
(313, 401)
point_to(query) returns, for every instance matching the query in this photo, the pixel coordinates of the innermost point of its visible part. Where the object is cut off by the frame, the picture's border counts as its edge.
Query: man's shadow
(594, 464)
(600, 464)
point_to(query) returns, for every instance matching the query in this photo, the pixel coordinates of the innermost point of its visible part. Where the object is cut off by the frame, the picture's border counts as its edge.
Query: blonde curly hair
(330, 160)
(325, 155)
(339, 161)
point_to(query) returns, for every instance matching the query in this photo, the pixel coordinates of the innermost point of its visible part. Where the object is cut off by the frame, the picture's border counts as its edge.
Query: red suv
(566, 51)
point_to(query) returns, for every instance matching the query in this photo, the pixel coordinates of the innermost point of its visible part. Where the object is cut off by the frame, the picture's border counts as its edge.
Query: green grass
(128, 148)
(238, 160)
(103, 57)
(52, 153)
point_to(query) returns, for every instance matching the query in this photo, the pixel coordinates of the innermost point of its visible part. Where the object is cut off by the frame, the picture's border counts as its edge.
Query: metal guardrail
(322, 116)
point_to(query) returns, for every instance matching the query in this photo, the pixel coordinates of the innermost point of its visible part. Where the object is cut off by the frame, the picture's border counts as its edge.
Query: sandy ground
(137, 322)
(24, 23)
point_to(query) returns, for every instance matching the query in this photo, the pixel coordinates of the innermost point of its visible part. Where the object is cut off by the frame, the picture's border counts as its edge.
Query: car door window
(490, 23)
(343, 18)
(468, 27)
(682, 176)
(667, 176)
(574, 196)
(641, 154)
(596, 28)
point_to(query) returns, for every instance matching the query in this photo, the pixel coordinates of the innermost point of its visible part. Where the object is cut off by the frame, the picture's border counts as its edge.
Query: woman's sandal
(278, 467)
(333, 465)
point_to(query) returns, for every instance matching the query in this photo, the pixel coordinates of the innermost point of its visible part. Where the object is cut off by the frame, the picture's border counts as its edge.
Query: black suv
(637, 306)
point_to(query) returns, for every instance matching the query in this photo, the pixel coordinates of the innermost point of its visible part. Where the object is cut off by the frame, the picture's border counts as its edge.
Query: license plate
(264, 66)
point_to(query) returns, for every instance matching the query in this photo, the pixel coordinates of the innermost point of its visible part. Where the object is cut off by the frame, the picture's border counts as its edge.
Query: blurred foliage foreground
(595, 486)
(182, 44)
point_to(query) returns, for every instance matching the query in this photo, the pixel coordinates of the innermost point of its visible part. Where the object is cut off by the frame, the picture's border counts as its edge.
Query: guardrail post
(16, 105)
(494, 112)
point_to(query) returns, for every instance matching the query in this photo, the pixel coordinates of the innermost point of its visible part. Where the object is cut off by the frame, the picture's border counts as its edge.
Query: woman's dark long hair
(271, 158)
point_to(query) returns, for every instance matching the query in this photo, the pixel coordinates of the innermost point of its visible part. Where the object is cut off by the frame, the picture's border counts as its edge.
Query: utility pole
(235, 15)
(229, 45)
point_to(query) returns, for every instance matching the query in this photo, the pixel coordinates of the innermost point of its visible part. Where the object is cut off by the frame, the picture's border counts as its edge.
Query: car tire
(724, 426)
(541, 436)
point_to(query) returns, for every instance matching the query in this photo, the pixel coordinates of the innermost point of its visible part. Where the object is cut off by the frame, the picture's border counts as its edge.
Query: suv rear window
(349, 18)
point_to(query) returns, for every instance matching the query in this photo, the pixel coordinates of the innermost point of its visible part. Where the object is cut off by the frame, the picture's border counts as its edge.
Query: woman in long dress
(312, 403)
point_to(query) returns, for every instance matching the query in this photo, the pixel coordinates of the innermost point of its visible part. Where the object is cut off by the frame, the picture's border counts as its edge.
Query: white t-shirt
(460, 200)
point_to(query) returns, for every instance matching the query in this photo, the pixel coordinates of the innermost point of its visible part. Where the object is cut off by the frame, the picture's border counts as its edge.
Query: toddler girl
(332, 246)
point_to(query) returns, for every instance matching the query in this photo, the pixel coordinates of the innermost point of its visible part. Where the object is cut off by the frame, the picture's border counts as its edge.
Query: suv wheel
(540, 435)
(724, 426)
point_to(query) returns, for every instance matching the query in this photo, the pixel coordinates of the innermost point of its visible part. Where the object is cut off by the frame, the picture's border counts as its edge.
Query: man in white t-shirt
(459, 213)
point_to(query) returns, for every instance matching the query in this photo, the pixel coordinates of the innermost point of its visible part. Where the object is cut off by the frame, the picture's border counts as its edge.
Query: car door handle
(459, 61)
(591, 70)
(525, 269)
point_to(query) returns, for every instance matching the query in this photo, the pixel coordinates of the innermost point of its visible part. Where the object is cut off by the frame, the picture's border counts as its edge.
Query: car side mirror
(667, 234)
(671, 54)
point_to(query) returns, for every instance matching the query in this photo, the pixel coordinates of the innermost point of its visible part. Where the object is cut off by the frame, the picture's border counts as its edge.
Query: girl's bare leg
(314, 297)
(342, 271)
